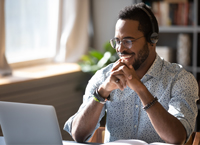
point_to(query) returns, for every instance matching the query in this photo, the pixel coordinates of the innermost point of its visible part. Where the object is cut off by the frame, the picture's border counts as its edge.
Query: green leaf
(108, 47)
(86, 59)
(96, 60)
(104, 59)
(96, 54)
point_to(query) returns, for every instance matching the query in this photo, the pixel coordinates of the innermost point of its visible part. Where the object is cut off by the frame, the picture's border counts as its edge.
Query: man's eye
(117, 41)
(127, 41)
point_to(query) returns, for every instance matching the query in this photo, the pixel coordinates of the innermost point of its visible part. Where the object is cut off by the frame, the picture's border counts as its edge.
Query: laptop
(29, 124)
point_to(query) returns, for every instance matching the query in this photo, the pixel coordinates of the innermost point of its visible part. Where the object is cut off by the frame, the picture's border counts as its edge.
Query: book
(134, 142)
(173, 12)
(167, 53)
(184, 47)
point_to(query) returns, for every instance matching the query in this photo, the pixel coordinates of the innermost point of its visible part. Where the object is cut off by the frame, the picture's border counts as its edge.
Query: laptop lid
(29, 124)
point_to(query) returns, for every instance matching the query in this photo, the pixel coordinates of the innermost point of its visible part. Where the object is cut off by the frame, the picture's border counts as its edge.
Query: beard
(142, 56)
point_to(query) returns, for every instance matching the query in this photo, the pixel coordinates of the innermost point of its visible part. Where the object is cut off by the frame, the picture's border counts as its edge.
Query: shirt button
(135, 126)
(136, 106)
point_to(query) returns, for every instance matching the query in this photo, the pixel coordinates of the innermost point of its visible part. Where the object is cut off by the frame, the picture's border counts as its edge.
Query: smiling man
(145, 97)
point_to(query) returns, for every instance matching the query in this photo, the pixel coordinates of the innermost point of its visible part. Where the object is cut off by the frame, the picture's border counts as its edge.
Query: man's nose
(120, 47)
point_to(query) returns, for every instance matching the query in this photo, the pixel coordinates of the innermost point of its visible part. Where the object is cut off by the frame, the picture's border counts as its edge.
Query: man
(144, 96)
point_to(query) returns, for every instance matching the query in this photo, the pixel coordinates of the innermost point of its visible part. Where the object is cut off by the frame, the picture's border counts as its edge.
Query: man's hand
(130, 78)
(122, 75)
(114, 81)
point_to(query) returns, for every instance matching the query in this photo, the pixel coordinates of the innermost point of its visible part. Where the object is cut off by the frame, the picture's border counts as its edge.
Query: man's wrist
(141, 88)
(103, 93)
(99, 98)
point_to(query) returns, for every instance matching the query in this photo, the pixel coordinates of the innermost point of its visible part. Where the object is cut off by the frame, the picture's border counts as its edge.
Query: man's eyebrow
(128, 37)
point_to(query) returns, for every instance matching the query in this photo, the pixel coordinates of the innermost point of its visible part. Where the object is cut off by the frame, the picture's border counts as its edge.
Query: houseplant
(96, 60)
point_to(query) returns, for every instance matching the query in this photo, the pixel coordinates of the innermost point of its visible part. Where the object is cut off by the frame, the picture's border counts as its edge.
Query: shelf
(188, 68)
(191, 68)
(198, 69)
(198, 105)
(179, 29)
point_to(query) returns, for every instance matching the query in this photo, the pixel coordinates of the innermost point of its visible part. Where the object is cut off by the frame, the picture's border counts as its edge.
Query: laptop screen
(29, 124)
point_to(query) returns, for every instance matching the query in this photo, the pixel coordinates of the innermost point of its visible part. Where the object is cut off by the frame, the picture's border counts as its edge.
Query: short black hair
(135, 12)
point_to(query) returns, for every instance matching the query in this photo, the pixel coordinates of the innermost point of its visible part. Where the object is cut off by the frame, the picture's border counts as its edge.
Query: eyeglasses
(127, 43)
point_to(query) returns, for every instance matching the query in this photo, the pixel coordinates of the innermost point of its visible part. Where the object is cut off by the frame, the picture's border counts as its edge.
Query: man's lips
(125, 56)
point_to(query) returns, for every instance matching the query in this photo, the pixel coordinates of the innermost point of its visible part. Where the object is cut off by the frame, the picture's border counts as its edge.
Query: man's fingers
(121, 66)
(119, 84)
(116, 65)
(119, 80)
(126, 71)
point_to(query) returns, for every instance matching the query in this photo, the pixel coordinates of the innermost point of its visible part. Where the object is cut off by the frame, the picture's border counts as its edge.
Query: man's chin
(136, 66)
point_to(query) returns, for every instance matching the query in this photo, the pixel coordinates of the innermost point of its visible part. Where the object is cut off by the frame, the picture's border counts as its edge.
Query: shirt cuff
(187, 127)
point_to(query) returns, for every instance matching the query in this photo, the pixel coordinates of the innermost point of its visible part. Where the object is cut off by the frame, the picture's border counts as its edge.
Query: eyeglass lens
(125, 42)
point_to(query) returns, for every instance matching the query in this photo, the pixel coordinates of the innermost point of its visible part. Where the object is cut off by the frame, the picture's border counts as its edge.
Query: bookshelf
(169, 31)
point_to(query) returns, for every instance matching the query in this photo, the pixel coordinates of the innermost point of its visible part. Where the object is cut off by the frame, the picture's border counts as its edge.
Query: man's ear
(151, 45)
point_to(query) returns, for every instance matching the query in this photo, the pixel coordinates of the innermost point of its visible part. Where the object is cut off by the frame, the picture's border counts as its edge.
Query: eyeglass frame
(123, 43)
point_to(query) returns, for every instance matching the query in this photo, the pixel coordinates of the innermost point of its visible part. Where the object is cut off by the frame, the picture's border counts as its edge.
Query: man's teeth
(126, 56)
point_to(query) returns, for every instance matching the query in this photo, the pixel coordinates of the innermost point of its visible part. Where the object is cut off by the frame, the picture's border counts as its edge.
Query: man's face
(139, 52)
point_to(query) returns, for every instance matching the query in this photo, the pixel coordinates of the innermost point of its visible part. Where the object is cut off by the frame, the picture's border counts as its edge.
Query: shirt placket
(136, 110)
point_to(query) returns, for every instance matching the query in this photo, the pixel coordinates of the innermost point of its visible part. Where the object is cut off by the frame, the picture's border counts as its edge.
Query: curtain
(4, 67)
(73, 37)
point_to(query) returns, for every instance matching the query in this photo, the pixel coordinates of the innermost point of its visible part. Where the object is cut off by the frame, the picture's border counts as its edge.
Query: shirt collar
(155, 69)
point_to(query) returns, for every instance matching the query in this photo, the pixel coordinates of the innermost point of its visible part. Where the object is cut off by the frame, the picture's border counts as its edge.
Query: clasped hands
(122, 74)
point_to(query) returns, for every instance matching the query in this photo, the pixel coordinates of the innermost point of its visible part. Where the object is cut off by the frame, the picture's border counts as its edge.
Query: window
(31, 29)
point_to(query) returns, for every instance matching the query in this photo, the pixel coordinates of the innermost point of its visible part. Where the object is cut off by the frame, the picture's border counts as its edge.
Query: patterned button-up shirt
(175, 88)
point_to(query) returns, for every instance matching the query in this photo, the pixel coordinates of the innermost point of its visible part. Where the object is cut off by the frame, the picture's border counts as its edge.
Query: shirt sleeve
(93, 83)
(183, 103)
